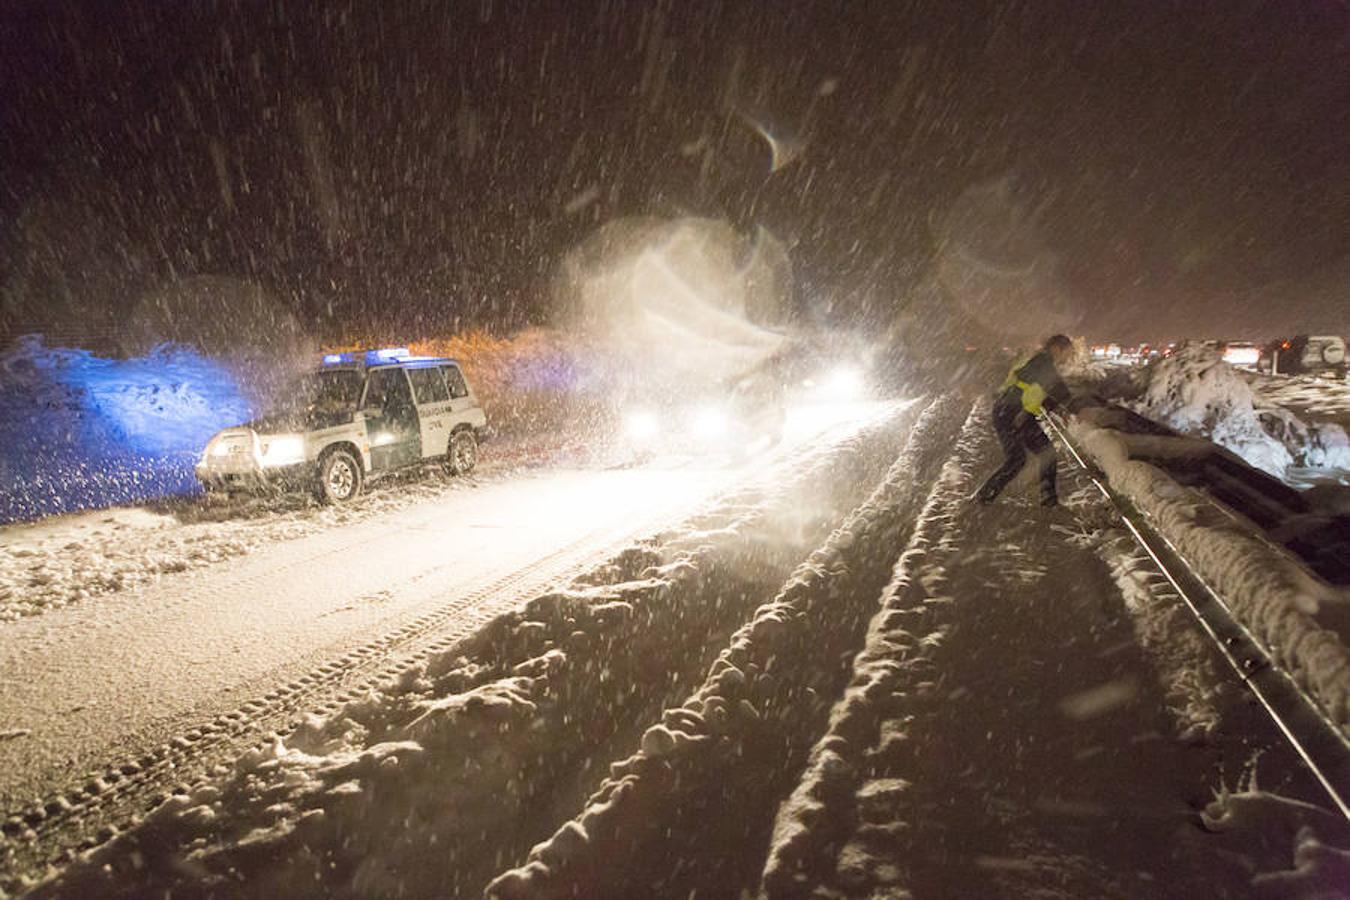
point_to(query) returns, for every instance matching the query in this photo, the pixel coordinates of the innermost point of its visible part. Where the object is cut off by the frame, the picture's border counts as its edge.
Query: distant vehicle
(1105, 352)
(738, 418)
(748, 415)
(1137, 355)
(1320, 354)
(1243, 354)
(360, 415)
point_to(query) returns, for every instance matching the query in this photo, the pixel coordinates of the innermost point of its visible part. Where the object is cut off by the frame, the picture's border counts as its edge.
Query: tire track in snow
(78, 818)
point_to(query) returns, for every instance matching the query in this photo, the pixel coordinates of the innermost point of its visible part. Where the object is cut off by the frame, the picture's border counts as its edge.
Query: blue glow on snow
(82, 431)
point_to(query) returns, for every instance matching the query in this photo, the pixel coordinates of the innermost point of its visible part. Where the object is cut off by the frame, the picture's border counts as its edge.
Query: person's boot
(1049, 484)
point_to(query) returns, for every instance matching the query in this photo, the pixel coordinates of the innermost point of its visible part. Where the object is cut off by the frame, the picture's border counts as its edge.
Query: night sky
(1183, 168)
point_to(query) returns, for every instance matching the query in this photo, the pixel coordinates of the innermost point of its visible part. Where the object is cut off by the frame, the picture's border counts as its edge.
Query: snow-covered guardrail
(1269, 591)
(1278, 624)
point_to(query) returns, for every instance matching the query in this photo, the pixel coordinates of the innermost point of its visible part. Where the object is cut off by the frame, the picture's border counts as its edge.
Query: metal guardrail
(1314, 737)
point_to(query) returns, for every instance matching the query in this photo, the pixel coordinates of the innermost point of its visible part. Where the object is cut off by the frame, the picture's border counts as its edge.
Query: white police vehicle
(356, 417)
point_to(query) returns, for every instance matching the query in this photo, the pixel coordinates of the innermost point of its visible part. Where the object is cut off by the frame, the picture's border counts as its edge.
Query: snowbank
(79, 430)
(1197, 393)
(420, 783)
(1268, 591)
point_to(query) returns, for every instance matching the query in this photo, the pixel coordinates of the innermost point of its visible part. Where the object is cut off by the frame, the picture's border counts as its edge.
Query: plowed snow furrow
(689, 813)
(815, 821)
(499, 726)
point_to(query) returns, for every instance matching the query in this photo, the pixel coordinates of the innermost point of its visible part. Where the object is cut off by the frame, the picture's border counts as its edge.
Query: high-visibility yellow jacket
(1035, 383)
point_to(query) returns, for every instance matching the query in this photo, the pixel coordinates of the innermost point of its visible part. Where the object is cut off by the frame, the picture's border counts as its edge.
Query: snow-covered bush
(81, 430)
(1197, 393)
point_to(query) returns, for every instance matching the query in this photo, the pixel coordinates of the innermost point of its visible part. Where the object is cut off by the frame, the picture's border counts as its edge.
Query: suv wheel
(463, 452)
(339, 478)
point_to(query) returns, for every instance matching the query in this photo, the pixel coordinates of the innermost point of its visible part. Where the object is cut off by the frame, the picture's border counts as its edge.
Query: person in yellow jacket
(1033, 386)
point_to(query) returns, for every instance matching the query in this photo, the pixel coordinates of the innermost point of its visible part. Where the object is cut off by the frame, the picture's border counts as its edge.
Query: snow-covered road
(142, 663)
(110, 680)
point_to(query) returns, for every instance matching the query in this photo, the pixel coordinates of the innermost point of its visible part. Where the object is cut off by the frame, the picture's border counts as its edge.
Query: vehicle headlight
(711, 422)
(283, 450)
(217, 448)
(641, 426)
(844, 382)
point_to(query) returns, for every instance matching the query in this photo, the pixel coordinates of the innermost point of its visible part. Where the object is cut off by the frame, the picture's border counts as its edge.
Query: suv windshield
(326, 392)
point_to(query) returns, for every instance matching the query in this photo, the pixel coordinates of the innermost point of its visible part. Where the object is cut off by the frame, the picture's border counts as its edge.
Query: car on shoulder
(1321, 355)
(356, 417)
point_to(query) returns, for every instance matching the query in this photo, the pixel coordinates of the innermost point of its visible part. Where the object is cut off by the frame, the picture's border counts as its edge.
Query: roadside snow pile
(1268, 591)
(1197, 393)
(427, 782)
(79, 430)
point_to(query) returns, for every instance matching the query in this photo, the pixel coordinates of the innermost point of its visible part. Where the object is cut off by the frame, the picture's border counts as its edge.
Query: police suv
(356, 417)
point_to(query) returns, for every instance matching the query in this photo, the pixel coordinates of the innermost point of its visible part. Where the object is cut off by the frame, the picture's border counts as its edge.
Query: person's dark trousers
(1019, 433)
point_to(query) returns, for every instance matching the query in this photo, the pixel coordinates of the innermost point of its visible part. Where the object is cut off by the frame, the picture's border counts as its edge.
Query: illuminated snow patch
(82, 431)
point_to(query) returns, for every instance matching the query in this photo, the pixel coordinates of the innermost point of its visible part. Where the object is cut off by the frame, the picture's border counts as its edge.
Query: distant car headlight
(282, 450)
(1241, 356)
(711, 422)
(641, 426)
(844, 383)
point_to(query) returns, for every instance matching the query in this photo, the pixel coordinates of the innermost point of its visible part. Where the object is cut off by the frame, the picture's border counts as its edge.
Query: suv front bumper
(216, 476)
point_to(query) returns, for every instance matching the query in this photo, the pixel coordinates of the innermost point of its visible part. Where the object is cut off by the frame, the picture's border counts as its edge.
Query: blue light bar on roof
(332, 359)
(374, 357)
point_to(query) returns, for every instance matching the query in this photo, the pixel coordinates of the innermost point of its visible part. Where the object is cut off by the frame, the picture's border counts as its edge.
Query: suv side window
(458, 388)
(387, 391)
(429, 385)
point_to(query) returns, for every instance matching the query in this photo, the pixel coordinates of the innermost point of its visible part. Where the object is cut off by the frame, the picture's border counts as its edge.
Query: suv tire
(339, 477)
(462, 454)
